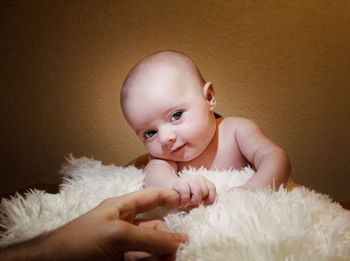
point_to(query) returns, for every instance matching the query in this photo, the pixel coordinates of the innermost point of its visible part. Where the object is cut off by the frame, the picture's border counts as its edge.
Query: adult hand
(107, 232)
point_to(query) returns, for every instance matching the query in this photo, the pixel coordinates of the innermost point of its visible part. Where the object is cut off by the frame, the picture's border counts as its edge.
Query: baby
(171, 108)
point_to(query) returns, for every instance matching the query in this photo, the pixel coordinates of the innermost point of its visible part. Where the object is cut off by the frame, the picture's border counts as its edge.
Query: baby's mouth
(176, 149)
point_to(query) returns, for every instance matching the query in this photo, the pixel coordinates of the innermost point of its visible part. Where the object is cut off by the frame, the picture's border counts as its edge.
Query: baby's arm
(270, 161)
(160, 173)
(193, 190)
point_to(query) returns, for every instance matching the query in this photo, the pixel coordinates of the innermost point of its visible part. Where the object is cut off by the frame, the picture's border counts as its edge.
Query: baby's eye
(149, 134)
(176, 116)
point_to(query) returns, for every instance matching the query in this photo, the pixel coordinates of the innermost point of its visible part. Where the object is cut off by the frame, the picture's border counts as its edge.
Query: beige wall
(284, 64)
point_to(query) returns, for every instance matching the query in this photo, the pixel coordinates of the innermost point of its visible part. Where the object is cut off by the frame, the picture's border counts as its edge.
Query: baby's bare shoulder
(236, 123)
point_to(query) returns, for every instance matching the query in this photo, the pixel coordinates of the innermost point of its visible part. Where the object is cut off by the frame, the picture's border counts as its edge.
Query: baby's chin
(185, 157)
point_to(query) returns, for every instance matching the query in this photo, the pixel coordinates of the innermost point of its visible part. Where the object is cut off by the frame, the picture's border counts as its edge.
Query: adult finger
(131, 204)
(138, 255)
(156, 242)
(153, 224)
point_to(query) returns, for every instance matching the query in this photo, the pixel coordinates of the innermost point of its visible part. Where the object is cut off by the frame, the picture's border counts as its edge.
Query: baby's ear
(209, 95)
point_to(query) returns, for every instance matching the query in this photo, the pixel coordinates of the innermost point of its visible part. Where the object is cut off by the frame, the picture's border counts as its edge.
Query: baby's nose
(167, 137)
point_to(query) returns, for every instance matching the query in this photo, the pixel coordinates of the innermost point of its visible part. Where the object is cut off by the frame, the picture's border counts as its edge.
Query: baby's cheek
(154, 150)
(149, 148)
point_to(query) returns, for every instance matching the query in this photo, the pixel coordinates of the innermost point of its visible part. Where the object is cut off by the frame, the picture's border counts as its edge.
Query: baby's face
(171, 116)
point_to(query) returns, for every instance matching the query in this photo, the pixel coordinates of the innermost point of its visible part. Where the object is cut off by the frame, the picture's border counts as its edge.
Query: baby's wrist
(252, 186)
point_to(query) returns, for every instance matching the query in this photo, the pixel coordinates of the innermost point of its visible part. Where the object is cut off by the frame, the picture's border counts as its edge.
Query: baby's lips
(176, 149)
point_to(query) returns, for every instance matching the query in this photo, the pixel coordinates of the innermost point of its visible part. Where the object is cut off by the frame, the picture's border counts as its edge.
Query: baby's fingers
(211, 193)
(196, 193)
(185, 194)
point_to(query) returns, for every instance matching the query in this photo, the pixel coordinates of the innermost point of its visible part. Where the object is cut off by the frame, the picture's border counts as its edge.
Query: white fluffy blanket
(266, 225)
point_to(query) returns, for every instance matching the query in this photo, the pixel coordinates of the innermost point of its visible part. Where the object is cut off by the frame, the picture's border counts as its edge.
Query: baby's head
(170, 106)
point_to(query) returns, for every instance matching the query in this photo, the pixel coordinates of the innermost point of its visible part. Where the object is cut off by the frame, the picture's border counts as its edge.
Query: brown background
(284, 64)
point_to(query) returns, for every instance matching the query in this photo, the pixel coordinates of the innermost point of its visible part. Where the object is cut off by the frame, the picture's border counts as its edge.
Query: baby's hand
(194, 190)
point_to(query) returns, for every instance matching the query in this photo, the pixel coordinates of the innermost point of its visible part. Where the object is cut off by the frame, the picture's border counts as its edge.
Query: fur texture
(265, 225)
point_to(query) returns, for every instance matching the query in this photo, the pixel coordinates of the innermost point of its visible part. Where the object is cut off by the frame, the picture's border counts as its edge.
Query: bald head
(160, 68)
